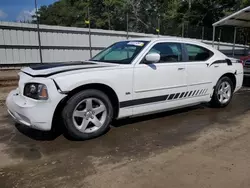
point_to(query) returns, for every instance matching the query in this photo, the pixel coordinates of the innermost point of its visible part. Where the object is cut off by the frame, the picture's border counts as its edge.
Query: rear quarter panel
(239, 75)
(235, 69)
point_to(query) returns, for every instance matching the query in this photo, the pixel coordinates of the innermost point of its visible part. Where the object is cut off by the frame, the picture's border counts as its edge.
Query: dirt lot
(192, 147)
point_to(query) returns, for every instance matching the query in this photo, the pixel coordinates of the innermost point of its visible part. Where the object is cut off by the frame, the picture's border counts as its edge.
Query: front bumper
(32, 113)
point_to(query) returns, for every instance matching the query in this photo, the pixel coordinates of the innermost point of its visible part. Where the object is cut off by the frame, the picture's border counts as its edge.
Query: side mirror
(152, 58)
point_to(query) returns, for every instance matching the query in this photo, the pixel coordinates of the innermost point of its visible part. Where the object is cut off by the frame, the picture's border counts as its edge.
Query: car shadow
(59, 128)
(246, 82)
(132, 120)
(37, 134)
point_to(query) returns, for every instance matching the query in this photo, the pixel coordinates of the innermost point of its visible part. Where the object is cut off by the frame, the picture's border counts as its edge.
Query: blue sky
(16, 10)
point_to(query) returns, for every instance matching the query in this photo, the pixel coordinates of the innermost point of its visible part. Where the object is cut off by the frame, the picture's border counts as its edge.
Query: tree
(143, 14)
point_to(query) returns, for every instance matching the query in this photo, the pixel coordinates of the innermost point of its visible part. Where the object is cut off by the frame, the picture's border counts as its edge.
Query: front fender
(120, 81)
(67, 86)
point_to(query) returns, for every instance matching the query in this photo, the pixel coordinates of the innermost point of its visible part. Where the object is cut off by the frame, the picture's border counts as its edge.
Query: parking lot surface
(193, 147)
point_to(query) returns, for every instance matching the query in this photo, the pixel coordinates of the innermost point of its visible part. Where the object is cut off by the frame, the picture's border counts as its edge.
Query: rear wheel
(87, 114)
(223, 92)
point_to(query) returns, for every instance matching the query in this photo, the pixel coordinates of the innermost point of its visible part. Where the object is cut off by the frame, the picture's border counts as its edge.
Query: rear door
(199, 73)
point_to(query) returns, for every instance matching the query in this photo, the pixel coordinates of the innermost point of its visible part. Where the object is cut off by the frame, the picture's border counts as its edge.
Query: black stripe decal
(201, 92)
(62, 71)
(171, 97)
(190, 93)
(227, 61)
(198, 91)
(54, 65)
(143, 101)
(218, 62)
(177, 95)
(186, 94)
(182, 94)
(33, 64)
(154, 99)
(194, 93)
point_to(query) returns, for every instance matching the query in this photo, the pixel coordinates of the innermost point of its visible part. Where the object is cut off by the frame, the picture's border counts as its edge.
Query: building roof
(240, 19)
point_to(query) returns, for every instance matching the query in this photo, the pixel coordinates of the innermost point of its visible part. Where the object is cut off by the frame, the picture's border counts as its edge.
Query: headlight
(36, 91)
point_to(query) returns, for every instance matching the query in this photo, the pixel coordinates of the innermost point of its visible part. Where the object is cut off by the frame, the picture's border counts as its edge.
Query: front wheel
(87, 114)
(223, 92)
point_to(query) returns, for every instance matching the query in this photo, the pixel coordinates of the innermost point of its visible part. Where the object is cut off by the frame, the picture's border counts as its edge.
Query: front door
(160, 85)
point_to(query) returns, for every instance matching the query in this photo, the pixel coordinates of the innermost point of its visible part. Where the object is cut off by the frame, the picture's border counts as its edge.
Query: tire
(83, 121)
(217, 101)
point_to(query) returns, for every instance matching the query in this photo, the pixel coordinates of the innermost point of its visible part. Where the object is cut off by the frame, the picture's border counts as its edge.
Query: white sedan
(129, 78)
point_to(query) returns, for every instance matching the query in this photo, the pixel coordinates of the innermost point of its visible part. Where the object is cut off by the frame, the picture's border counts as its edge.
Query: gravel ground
(7, 74)
(8, 82)
(194, 147)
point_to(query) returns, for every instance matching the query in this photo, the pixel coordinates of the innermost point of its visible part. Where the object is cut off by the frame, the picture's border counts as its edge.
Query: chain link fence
(223, 34)
(17, 42)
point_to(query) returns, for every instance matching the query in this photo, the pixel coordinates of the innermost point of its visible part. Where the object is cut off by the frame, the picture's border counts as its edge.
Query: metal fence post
(183, 29)
(219, 40)
(245, 46)
(127, 24)
(213, 35)
(90, 45)
(235, 34)
(202, 33)
(158, 30)
(38, 34)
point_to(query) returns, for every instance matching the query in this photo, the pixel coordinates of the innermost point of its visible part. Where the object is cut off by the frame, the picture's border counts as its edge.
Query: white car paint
(132, 83)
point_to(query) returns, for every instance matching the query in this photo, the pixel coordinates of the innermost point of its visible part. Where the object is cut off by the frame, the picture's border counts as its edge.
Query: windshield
(120, 52)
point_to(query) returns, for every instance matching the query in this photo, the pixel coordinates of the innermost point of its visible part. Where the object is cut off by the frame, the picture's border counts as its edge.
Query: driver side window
(169, 52)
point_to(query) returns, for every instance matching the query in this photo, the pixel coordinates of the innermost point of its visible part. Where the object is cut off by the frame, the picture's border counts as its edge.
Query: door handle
(181, 68)
(216, 66)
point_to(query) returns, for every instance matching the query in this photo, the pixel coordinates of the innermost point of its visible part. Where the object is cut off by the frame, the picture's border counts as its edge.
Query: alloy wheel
(89, 115)
(224, 92)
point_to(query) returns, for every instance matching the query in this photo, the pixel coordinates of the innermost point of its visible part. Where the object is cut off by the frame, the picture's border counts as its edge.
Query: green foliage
(144, 15)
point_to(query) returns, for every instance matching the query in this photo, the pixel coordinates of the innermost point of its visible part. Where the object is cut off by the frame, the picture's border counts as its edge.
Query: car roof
(174, 39)
(167, 39)
(161, 38)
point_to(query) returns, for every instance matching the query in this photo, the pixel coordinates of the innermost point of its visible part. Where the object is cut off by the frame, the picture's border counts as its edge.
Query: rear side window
(197, 53)
(169, 52)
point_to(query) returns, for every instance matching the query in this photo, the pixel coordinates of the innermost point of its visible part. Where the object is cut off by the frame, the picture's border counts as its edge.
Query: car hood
(47, 70)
